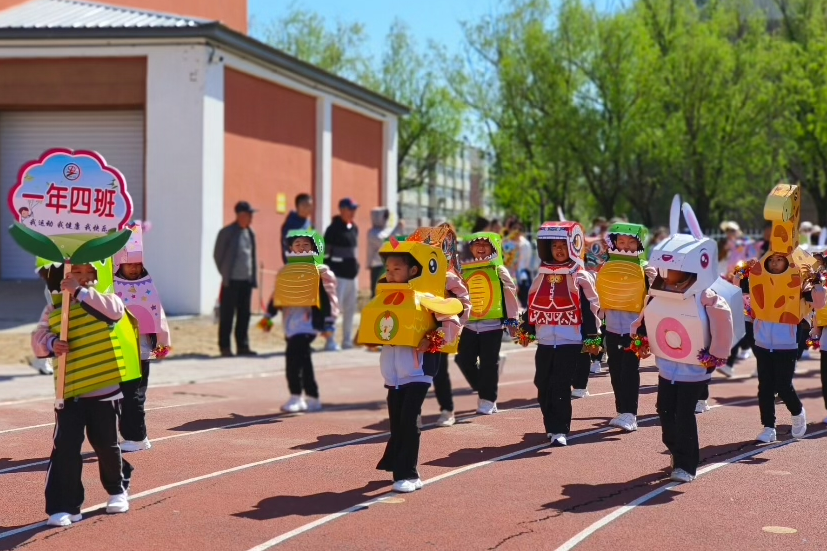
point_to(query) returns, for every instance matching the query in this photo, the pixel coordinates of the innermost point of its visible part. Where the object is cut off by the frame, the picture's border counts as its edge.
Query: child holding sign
(92, 315)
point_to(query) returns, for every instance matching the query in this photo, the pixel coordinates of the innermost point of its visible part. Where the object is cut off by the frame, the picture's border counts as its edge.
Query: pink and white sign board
(68, 195)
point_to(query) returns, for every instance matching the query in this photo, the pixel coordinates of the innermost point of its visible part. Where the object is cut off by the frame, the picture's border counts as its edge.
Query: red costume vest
(557, 300)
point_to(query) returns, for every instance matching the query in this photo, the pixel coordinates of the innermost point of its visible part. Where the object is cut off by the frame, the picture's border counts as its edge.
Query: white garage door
(117, 135)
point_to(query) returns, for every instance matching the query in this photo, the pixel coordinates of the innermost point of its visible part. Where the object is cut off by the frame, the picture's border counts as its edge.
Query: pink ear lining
(692, 221)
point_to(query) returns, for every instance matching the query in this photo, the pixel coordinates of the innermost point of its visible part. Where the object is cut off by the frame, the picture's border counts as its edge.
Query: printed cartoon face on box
(409, 294)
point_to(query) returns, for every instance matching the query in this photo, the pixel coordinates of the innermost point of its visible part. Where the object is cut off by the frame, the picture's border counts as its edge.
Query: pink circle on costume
(672, 325)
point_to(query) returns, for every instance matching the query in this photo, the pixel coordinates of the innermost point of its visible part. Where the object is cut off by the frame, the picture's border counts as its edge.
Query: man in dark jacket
(341, 241)
(235, 258)
(298, 219)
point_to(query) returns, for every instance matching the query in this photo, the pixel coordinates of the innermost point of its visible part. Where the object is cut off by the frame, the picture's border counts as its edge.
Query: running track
(229, 472)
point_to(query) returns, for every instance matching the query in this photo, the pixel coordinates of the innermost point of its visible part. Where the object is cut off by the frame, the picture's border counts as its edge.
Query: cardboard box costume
(676, 320)
(102, 354)
(483, 280)
(556, 301)
(621, 282)
(298, 283)
(776, 298)
(401, 314)
(140, 296)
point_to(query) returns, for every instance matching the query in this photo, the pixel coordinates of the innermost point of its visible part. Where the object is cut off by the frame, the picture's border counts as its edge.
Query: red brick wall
(270, 140)
(357, 172)
(73, 83)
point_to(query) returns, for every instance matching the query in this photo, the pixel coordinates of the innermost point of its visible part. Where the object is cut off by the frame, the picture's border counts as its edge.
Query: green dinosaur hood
(318, 243)
(639, 232)
(495, 260)
(106, 276)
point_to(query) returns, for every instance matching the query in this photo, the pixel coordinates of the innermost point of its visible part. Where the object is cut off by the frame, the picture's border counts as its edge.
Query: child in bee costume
(306, 294)
(414, 317)
(691, 323)
(781, 288)
(622, 284)
(555, 315)
(493, 301)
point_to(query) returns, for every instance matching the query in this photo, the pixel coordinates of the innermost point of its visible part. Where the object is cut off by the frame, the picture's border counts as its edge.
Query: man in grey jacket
(235, 258)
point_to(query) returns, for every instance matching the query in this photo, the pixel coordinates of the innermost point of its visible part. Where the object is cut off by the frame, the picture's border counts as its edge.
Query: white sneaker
(486, 407)
(44, 366)
(806, 355)
(767, 436)
(679, 475)
(726, 370)
(118, 504)
(627, 422)
(294, 405)
(596, 367)
(63, 519)
(407, 486)
(559, 439)
(132, 446)
(501, 365)
(579, 393)
(745, 354)
(800, 424)
(616, 421)
(446, 419)
(419, 421)
(701, 406)
(313, 404)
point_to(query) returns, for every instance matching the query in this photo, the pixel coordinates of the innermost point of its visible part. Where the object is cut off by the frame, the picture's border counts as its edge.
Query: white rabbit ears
(689, 216)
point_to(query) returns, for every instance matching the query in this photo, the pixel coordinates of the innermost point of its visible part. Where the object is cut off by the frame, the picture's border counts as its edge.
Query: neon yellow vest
(101, 355)
(486, 292)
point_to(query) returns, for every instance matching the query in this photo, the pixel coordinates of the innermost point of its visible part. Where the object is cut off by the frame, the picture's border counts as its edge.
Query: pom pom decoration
(524, 338)
(813, 344)
(742, 269)
(436, 338)
(161, 352)
(593, 346)
(708, 360)
(511, 322)
(640, 347)
(266, 324)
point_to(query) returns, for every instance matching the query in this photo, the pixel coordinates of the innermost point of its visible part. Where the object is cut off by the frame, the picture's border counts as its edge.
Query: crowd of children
(431, 303)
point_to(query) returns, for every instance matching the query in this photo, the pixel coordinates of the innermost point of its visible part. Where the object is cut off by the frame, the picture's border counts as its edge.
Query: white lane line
(188, 481)
(19, 429)
(264, 374)
(449, 474)
(580, 537)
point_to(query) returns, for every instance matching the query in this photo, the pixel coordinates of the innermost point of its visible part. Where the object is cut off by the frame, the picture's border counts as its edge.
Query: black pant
(676, 409)
(775, 376)
(442, 385)
(624, 372)
(486, 347)
(375, 274)
(554, 368)
(298, 367)
(402, 450)
(801, 334)
(580, 379)
(824, 376)
(235, 303)
(64, 488)
(132, 422)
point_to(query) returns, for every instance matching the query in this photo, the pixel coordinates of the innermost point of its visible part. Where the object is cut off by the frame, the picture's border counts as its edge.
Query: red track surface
(228, 472)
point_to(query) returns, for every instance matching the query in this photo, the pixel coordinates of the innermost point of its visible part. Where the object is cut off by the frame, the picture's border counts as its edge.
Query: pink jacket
(452, 325)
(329, 284)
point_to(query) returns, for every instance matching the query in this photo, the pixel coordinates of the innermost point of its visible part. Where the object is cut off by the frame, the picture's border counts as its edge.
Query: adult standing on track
(341, 250)
(235, 258)
(298, 219)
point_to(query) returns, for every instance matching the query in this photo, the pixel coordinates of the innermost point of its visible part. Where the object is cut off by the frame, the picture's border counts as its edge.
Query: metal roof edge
(224, 36)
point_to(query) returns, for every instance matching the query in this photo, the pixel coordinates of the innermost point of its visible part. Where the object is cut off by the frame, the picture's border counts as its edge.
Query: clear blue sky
(429, 19)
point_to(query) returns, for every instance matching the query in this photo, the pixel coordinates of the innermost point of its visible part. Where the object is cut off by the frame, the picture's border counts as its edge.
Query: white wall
(390, 189)
(184, 174)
